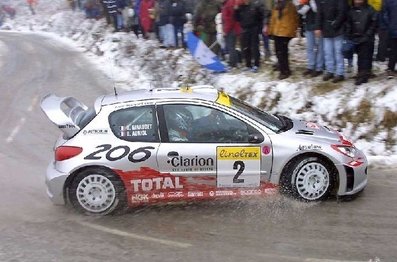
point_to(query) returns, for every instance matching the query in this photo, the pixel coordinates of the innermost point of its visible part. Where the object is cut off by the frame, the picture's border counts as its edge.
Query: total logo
(157, 183)
(251, 192)
(140, 198)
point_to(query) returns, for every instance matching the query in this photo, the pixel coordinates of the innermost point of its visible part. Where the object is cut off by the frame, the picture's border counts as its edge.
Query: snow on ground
(366, 114)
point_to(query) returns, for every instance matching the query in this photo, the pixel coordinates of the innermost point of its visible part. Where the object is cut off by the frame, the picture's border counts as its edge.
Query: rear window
(135, 124)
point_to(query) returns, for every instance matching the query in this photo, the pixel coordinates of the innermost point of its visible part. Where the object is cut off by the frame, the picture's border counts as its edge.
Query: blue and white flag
(203, 55)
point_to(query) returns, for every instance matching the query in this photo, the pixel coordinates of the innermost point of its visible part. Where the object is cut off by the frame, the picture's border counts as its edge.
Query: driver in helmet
(178, 125)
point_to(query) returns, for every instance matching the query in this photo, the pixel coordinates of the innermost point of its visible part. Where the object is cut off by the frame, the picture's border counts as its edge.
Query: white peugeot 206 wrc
(196, 143)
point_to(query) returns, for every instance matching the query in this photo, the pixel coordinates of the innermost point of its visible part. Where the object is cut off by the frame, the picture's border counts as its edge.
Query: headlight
(349, 151)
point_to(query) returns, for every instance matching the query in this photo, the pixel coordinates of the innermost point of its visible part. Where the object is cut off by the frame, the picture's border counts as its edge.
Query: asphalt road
(272, 229)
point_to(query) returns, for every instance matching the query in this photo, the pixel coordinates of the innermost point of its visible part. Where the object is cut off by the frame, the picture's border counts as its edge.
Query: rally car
(183, 144)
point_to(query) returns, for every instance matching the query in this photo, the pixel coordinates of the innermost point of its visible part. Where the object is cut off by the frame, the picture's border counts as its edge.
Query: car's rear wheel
(97, 191)
(309, 179)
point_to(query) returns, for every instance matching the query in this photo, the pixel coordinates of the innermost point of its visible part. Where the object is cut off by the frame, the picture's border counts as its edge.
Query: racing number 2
(240, 166)
(125, 151)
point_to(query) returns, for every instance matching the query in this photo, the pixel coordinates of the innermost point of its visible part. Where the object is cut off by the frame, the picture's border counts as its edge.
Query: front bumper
(55, 182)
(352, 179)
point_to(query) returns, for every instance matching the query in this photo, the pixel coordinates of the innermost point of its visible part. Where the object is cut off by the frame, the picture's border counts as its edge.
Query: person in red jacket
(147, 16)
(32, 4)
(231, 31)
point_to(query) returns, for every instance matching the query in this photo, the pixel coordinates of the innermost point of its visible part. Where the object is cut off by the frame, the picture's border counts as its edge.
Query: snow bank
(365, 114)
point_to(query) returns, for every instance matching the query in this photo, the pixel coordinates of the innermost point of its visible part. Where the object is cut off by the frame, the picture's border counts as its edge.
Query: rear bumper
(55, 182)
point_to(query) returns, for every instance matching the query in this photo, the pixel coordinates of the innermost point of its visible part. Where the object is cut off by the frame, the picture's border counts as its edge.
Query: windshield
(274, 123)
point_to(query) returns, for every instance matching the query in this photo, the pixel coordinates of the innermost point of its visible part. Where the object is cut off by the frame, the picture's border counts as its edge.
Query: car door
(214, 152)
(134, 149)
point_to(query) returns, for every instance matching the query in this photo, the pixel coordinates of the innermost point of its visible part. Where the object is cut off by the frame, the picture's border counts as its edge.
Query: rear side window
(86, 117)
(135, 124)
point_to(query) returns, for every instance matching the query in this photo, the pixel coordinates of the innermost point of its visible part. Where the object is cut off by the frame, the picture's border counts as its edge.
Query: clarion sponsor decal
(181, 161)
(157, 183)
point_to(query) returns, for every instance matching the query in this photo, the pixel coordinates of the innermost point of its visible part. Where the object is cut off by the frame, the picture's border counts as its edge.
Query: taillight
(66, 152)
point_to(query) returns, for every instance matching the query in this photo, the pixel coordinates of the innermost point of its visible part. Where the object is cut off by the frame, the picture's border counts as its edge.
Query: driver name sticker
(238, 166)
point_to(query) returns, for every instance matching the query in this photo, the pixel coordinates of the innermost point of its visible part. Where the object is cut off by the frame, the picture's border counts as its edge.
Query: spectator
(330, 19)
(147, 16)
(137, 11)
(231, 30)
(268, 4)
(250, 14)
(204, 22)
(111, 10)
(178, 19)
(32, 5)
(92, 9)
(360, 28)
(314, 45)
(2, 17)
(383, 39)
(131, 19)
(8, 10)
(389, 15)
(187, 27)
(121, 5)
(163, 21)
(190, 5)
(283, 26)
(220, 39)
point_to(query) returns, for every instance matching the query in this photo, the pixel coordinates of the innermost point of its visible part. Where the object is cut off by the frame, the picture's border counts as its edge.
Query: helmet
(179, 119)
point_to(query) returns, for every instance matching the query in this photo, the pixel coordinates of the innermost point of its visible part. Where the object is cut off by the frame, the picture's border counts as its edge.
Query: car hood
(313, 130)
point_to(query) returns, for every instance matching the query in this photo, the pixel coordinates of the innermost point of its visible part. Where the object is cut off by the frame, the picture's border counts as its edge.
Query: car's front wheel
(308, 179)
(97, 191)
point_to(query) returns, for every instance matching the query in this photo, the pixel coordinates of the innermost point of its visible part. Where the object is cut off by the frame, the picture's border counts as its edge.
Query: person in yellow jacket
(283, 26)
(376, 4)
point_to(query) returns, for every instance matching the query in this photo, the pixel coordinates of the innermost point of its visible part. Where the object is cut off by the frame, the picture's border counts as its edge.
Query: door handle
(172, 154)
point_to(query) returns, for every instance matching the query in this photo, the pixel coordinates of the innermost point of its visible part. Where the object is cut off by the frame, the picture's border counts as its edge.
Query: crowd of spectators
(335, 30)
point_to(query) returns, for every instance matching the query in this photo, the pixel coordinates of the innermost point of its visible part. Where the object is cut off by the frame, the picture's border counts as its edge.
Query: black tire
(297, 183)
(103, 193)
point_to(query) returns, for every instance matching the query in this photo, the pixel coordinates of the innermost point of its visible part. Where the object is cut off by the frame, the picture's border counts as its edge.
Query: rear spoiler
(65, 112)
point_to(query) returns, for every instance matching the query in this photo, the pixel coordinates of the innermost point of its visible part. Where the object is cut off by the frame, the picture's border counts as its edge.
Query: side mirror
(255, 138)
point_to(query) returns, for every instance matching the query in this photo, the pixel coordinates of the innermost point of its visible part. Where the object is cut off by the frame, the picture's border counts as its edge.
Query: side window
(135, 124)
(200, 124)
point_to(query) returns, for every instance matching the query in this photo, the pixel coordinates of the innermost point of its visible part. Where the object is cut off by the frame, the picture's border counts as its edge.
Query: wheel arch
(320, 156)
(74, 173)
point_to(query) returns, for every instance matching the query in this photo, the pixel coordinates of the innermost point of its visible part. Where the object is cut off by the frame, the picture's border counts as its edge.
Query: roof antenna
(114, 81)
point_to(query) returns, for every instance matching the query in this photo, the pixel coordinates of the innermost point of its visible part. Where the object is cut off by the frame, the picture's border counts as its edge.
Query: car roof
(203, 92)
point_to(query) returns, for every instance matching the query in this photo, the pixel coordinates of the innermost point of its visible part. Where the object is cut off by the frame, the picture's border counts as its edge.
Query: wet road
(272, 229)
